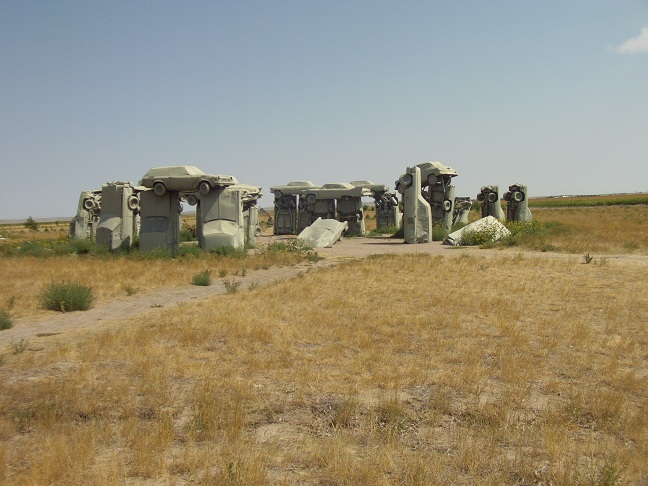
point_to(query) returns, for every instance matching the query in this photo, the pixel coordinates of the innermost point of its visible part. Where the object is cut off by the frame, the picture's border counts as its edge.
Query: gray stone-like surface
(183, 178)
(517, 199)
(84, 225)
(462, 206)
(160, 220)
(119, 205)
(440, 191)
(488, 224)
(323, 233)
(286, 209)
(490, 201)
(417, 214)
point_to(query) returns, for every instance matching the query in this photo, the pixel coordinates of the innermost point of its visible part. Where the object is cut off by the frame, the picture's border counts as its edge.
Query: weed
(222, 273)
(439, 233)
(231, 286)
(244, 270)
(129, 289)
(157, 306)
(20, 346)
(202, 279)
(11, 301)
(5, 320)
(229, 251)
(66, 297)
(295, 247)
(253, 286)
(385, 230)
(587, 258)
(478, 237)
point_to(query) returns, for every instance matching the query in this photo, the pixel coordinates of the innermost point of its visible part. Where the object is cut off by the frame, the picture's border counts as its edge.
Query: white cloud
(636, 44)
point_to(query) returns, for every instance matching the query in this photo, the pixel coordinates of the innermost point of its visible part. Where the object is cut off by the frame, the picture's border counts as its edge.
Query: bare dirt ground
(108, 315)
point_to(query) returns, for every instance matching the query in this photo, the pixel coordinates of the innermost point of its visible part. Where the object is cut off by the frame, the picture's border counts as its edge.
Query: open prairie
(465, 367)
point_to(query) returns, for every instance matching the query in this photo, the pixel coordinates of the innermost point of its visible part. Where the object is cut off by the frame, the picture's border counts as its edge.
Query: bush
(5, 320)
(229, 251)
(387, 230)
(231, 286)
(66, 297)
(202, 279)
(296, 247)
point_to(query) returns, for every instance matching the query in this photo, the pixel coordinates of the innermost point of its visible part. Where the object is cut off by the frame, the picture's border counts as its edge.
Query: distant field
(607, 200)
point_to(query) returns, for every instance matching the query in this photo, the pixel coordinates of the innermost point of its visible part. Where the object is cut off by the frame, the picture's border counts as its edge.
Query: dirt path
(147, 302)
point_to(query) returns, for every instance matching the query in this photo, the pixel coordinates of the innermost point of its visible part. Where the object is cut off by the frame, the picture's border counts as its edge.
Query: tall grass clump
(202, 279)
(385, 230)
(534, 234)
(296, 247)
(5, 320)
(66, 296)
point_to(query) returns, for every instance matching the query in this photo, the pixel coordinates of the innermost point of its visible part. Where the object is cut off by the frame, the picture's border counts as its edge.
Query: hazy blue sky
(553, 94)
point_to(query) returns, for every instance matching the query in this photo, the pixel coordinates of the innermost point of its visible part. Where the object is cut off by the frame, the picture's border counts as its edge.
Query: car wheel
(159, 189)
(447, 205)
(204, 187)
(192, 200)
(480, 196)
(311, 198)
(88, 204)
(133, 202)
(518, 196)
(492, 197)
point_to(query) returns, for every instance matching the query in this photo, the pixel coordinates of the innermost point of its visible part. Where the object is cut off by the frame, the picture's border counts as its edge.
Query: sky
(551, 94)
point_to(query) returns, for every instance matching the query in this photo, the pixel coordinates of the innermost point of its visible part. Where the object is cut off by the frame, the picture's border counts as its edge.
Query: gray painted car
(184, 178)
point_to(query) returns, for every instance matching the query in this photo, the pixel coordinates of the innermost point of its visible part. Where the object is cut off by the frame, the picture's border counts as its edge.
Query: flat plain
(514, 364)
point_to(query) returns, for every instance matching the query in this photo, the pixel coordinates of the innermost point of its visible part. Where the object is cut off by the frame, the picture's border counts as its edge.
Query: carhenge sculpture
(439, 199)
(462, 206)
(118, 219)
(517, 198)
(228, 216)
(490, 201)
(388, 214)
(289, 218)
(84, 225)
(336, 200)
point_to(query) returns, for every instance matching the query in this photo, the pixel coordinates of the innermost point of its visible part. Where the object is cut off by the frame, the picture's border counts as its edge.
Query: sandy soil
(110, 314)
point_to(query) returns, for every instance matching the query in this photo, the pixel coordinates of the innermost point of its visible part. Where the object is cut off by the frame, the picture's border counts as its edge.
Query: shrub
(478, 237)
(66, 297)
(31, 224)
(202, 279)
(439, 233)
(231, 286)
(229, 251)
(5, 320)
(296, 247)
(387, 230)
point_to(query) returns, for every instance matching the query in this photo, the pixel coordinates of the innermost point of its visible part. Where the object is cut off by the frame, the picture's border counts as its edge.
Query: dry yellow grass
(23, 277)
(524, 370)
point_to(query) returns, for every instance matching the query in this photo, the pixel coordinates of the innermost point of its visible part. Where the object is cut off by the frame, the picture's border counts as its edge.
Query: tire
(257, 231)
(406, 180)
(159, 189)
(192, 200)
(88, 204)
(518, 196)
(447, 205)
(492, 197)
(432, 179)
(278, 194)
(133, 202)
(507, 196)
(480, 196)
(204, 187)
(311, 198)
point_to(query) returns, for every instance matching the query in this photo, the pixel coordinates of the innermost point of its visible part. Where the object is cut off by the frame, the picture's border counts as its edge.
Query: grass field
(413, 370)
